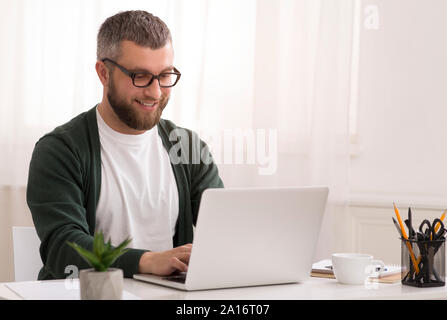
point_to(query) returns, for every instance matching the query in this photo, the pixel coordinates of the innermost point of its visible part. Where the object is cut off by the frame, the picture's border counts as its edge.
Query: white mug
(354, 268)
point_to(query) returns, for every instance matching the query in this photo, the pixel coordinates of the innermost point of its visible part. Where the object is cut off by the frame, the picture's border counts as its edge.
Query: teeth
(146, 104)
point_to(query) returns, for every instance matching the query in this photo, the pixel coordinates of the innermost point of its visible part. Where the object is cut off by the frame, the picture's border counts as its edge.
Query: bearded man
(110, 169)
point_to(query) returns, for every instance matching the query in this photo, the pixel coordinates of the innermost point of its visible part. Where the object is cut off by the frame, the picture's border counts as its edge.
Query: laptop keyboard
(177, 278)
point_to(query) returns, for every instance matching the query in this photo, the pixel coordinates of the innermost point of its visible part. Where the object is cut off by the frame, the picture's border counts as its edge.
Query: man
(112, 168)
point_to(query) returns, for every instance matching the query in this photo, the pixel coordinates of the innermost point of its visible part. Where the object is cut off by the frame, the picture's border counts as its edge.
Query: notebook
(250, 237)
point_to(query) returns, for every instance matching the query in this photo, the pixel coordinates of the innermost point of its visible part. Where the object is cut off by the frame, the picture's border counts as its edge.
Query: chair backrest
(27, 262)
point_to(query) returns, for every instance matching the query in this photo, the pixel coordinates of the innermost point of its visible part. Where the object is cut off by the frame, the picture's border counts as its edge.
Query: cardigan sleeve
(56, 198)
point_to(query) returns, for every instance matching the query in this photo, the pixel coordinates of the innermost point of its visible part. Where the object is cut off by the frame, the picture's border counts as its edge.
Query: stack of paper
(323, 269)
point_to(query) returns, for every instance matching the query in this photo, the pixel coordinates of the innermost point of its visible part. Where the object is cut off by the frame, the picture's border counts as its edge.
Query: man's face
(139, 108)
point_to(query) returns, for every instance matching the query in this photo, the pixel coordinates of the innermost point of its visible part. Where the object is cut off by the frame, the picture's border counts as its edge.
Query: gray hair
(139, 26)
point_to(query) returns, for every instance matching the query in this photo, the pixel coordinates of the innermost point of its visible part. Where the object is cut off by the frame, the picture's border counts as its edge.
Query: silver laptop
(251, 237)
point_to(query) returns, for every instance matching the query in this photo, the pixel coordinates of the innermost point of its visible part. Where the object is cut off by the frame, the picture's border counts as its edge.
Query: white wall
(402, 103)
(401, 131)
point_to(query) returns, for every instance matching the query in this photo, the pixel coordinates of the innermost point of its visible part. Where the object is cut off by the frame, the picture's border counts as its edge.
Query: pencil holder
(423, 263)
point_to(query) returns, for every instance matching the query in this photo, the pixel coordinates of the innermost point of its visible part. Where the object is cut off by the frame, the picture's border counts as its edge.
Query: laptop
(251, 237)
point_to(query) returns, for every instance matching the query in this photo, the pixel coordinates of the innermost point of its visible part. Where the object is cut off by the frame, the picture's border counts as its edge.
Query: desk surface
(313, 288)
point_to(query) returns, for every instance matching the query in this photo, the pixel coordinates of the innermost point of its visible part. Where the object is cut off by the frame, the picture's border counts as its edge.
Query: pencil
(404, 234)
(397, 227)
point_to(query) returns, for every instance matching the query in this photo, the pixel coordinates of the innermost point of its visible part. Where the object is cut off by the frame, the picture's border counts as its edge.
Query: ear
(103, 73)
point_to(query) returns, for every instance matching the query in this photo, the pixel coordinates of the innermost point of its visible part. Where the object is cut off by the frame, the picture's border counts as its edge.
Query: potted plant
(101, 282)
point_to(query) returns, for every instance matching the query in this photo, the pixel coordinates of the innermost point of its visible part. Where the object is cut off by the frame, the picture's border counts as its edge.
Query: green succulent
(103, 254)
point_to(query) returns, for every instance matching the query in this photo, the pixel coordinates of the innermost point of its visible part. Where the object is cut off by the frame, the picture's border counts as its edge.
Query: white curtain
(277, 71)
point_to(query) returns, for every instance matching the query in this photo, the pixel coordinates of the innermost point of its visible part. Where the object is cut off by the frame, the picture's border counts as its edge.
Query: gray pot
(107, 285)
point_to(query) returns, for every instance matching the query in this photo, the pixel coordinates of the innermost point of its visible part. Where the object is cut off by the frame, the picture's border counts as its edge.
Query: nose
(153, 90)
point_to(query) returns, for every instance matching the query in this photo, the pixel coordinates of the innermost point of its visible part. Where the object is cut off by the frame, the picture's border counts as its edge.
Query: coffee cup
(354, 268)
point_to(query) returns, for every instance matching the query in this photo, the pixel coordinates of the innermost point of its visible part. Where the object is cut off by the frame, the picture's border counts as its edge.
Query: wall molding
(375, 199)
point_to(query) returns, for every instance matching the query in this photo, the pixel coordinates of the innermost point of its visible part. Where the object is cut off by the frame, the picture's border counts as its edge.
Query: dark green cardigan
(64, 185)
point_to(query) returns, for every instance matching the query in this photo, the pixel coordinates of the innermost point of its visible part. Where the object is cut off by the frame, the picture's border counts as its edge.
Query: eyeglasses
(145, 79)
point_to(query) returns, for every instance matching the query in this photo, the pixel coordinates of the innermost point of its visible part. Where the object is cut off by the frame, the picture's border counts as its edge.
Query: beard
(130, 115)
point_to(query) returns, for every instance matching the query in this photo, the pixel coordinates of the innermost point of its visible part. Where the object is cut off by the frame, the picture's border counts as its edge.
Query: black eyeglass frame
(132, 75)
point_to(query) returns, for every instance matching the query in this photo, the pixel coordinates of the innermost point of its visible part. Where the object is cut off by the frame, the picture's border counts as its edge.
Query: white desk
(314, 288)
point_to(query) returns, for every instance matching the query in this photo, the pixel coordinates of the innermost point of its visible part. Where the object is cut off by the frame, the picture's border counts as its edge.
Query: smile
(146, 104)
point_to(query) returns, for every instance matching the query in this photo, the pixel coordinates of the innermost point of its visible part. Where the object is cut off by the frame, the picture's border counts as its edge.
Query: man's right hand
(166, 262)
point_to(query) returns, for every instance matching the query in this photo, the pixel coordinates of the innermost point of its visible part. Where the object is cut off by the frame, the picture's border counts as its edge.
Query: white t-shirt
(139, 196)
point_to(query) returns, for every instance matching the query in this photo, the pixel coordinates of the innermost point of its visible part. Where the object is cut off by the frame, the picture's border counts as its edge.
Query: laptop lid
(253, 236)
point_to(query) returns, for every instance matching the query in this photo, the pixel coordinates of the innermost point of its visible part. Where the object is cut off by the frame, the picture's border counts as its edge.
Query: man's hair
(139, 26)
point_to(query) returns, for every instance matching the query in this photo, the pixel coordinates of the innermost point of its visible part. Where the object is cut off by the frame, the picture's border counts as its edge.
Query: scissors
(428, 232)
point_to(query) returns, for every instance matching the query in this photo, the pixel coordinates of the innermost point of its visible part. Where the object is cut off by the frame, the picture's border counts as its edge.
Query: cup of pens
(422, 251)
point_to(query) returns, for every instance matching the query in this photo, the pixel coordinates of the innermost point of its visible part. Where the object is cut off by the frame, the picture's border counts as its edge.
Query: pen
(404, 234)
(410, 233)
(410, 227)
